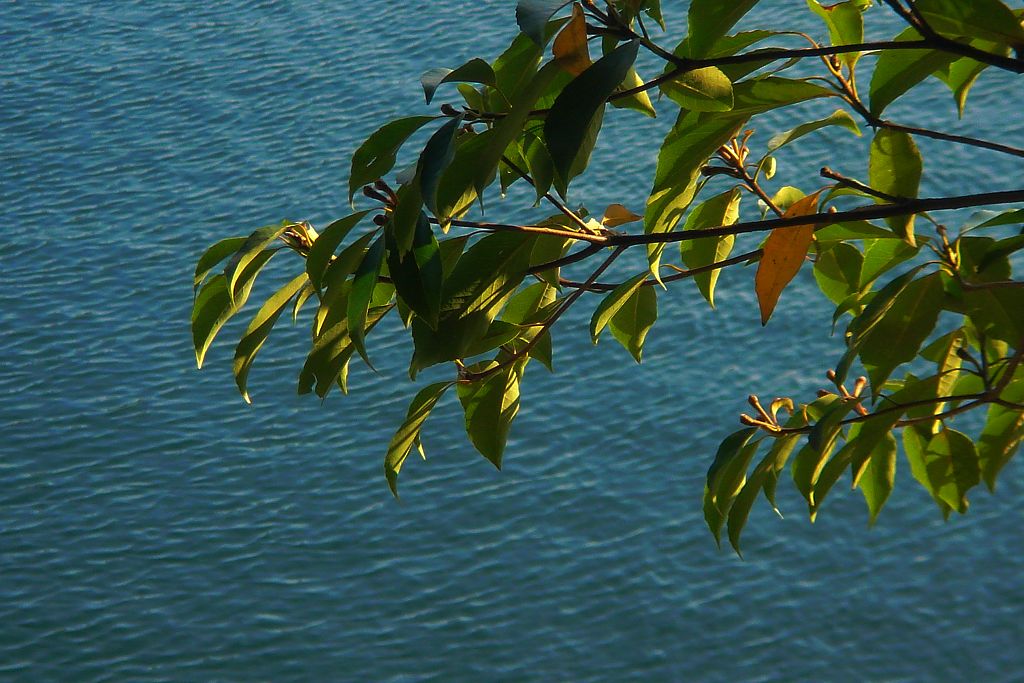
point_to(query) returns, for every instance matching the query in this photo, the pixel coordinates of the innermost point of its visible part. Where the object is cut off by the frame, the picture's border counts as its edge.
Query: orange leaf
(784, 253)
(616, 215)
(570, 48)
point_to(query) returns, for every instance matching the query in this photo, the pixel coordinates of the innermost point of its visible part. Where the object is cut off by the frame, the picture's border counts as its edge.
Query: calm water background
(154, 527)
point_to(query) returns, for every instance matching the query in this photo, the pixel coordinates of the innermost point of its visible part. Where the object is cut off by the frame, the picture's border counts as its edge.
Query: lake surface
(154, 527)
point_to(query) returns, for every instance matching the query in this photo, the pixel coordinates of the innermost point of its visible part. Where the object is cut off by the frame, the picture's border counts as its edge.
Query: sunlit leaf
(634, 320)
(895, 167)
(612, 303)
(408, 433)
(897, 71)
(839, 117)
(253, 248)
(784, 253)
(709, 20)
(706, 89)
(214, 255)
(490, 406)
(723, 209)
(845, 24)
(259, 329)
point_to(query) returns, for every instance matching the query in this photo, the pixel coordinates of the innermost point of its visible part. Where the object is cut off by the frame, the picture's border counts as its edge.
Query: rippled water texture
(153, 527)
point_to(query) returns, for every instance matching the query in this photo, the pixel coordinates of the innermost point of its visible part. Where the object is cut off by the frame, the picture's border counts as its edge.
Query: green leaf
(214, 306)
(474, 71)
(987, 19)
(259, 329)
(418, 274)
(894, 167)
(322, 250)
(363, 283)
(641, 101)
(879, 476)
(510, 127)
(706, 89)
(377, 155)
(437, 154)
(613, 303)
(533, 16)
(709, 20)
(408, 433)
(845, 24)
(722, 470)
(694, 137)
(960, 75)
(214, 255)
(739, 511)
(250, 251)
(854, 230)
(461, 183)
(946, 465)
(328, 359)
(897, 71)
(837, 271)
(997, 313)
(723, 209)
(634, 320)
(478, 286)
(898, 335)
(758, 95)
(1002, 434)
(880, 255)
(490, 406)
(575, 108)
(840, 117)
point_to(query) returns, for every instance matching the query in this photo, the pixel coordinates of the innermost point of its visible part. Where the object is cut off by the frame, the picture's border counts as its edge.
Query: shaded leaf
(377, 155)
(580, 101)
(634, 320)
(613, 303)
(363, 283)
(570, 46)
(490, 406)
(418, 274)
(474, 71)
(533, 16)
(250, 251)
(709, 20)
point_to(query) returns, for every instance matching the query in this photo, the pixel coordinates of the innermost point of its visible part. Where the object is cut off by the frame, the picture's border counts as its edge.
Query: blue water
(154, 527)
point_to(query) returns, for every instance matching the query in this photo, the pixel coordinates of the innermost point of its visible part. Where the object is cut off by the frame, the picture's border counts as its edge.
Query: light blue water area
(154, 527)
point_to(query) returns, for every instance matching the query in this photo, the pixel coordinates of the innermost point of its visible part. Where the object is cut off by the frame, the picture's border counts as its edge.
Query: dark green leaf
(533, 16)
(947, 465)
(437, 154)
(709, 20)
(987, 19)
(474, 71)
(998, 313)
(418, 274)
(1002, 434)
(377, 155)
(580, 101)
(898, 335)
(363, 283)
(879, 476)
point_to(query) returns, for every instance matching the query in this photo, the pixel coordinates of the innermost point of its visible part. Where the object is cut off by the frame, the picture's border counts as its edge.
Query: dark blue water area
(154, 527)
